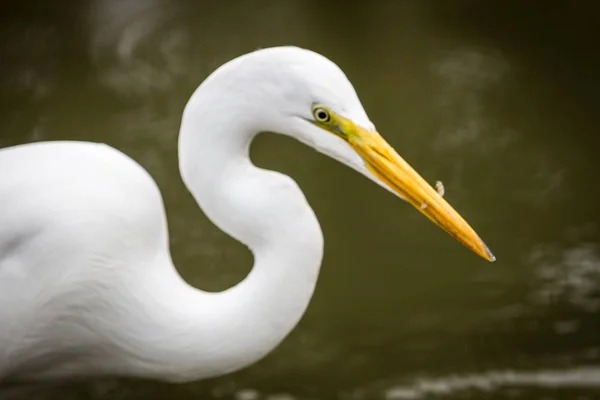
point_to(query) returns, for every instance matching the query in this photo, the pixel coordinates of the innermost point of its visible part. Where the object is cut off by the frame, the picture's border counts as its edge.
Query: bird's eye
(321, 114)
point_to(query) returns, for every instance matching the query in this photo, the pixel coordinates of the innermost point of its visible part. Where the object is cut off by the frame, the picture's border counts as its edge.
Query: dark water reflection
(499, 100)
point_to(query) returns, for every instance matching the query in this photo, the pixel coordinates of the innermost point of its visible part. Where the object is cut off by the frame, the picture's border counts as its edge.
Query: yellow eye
(321, 114)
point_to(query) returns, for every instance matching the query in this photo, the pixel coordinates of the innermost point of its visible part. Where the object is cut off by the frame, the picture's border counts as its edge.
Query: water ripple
(581, 377)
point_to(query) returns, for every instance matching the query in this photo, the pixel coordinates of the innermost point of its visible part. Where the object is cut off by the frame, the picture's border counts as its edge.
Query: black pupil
(322, 115)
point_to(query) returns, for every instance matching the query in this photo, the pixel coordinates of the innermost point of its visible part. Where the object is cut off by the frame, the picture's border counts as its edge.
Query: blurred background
(499, 100)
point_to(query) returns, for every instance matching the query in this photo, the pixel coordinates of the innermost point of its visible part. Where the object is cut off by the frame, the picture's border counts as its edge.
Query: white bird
(87, 284)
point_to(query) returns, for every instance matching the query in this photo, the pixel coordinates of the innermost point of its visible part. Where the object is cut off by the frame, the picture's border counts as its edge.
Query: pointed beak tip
(490, 256)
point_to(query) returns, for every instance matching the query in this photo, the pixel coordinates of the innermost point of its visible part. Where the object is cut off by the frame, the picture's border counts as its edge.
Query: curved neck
(266, 211)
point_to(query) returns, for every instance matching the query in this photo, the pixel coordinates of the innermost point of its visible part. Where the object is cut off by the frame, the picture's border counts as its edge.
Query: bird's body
(87, 285)
(83, 232)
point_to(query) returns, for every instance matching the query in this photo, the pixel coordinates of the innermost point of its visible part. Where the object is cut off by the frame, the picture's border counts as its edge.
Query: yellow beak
(383, 161)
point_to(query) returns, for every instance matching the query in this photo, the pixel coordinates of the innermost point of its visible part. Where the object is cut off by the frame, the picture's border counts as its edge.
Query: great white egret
(87, 285)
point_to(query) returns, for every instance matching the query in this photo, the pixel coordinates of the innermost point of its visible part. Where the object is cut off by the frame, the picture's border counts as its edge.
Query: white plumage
(87, 285)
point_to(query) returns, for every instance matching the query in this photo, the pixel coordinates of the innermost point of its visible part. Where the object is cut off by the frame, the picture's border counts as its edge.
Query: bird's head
(313, 101)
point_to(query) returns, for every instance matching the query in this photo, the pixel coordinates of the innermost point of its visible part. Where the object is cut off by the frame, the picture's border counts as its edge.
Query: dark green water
(500, 100)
